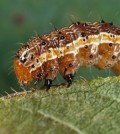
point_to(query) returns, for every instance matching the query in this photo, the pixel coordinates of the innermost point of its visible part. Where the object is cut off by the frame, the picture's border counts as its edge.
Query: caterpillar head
(22, 72)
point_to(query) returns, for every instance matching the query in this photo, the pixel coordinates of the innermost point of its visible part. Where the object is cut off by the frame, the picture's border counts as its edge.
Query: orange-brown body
(65, 50)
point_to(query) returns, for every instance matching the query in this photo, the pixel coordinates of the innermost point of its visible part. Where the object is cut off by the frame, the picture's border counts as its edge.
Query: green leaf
(88, 107)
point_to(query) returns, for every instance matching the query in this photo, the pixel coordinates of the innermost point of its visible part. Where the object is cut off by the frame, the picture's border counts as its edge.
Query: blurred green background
(21, 19)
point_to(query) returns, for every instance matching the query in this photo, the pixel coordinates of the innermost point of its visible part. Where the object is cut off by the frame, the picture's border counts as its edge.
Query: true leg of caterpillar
(47, 71)
(48, 84)
(68, 67)
(116, 68)
(51, 70)
(69, 79)
(38, 75)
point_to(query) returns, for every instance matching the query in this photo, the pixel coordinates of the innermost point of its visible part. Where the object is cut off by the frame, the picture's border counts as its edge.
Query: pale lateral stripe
(62, 49)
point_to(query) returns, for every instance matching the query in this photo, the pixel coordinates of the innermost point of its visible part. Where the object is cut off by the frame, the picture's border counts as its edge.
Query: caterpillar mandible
(65, 50)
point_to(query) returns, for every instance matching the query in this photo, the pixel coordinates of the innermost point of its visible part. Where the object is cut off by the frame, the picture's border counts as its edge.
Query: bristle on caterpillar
(65, 50)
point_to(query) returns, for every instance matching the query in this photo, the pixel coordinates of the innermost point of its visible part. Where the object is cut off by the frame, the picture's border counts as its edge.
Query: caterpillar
(65, 50)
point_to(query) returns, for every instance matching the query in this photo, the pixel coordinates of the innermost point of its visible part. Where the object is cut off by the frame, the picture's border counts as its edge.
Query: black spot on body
(110, 44)
(113, 57)
(67, 47)
(60, 52)
(102, 21)
(37, 60)
(43, 43)
(59, 32)
(111, 23)
(26, 46)
(108, 31)
(32, 56)
(87, 37)
(113, 36)
(83, 34)
(26, 55)
(91, 56)
(23, 61)
(70, 65)
(39, 75)
(77, 23)
(32, 65)
(51, 69)
(84, 40)
(62, 37)
(86, 46)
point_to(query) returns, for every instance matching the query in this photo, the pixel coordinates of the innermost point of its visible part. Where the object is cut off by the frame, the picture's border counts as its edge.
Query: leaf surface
(89, 107)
